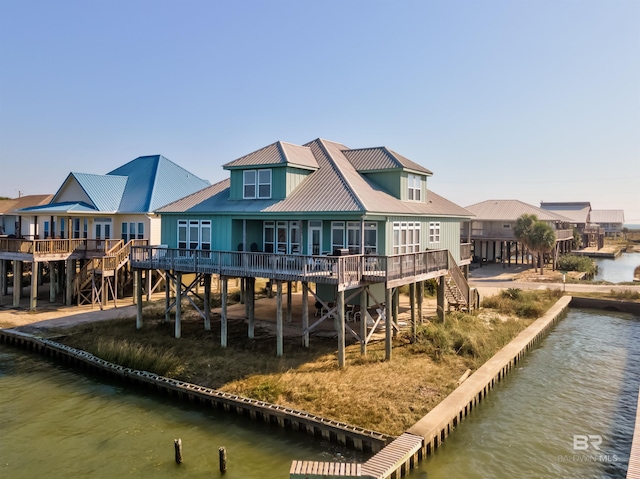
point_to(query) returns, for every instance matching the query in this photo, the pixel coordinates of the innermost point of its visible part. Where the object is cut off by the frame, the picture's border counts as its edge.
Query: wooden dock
(633, 471)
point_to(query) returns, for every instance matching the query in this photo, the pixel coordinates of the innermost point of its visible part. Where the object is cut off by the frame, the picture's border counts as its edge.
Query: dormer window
(414, 183)
(256, 184)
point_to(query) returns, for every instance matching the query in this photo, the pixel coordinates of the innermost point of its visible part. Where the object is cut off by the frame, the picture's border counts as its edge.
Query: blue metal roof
(66, 207)
(104, 191)
(154, 181)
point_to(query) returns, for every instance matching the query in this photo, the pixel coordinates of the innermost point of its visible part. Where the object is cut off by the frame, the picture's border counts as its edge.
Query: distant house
(95, 217)
(11, 223)
(580, 213)
(492, 229)
(611, 220)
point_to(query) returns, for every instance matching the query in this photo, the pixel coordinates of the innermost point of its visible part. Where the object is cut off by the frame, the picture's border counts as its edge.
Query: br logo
(582, 442)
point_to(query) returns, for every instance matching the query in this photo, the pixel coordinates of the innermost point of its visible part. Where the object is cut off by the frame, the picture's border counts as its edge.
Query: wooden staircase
(97, 278)
(457, 291)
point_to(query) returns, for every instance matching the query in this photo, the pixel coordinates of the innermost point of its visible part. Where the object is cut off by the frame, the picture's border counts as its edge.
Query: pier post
(138, 296)
(279, 330)
(178, 329)
(167, 296)
(388, 334)
(251, 306)
(53, 281)
(396, 304)
(224, 287)
(412, 302)
(420, 294)
(70, 275)
(177, 444)
(33, 299)
(222, 455)
(341, 340)
(441, 299)
(17, 283)
(289, 303)
(3, 278)
(364, 316)
(207, 302)
(305, 314)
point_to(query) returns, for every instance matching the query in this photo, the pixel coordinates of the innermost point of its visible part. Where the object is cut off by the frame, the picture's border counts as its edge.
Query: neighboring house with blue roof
(95, 219)
(117, 205)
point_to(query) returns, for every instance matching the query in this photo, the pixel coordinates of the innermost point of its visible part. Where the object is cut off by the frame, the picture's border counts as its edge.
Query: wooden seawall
(334, 431)
(401, 455)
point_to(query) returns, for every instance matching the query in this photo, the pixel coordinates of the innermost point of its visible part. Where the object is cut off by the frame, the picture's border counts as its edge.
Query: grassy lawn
(385, 396)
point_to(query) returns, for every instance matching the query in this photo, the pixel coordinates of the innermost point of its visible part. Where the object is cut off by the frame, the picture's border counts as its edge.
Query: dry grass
(386, 396)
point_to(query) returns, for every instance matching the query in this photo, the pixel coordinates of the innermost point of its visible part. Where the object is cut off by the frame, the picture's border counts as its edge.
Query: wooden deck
(54, 249)
(346, 272)
(633, 471)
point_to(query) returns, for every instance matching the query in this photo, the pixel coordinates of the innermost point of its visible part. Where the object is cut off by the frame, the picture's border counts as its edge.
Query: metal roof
(511, 210)
(607, 216)
(139, 186)
(9, 206)
(577, 211)
(154, 181)
(278, 153)
(336, 186)
(381, 158)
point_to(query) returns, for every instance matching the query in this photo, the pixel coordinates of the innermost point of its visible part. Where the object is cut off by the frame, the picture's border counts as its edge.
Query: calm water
(617, 270)
(582, 381)
(56, 423)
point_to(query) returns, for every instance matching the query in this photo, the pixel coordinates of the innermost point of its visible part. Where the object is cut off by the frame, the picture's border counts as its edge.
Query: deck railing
(342, 270)
(63, 246)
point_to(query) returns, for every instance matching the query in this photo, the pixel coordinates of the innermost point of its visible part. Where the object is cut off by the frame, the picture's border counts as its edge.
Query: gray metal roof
(381, 158)
(577, 211)
(336, 186)
(607, 216)
(511, 210)
(278, 153)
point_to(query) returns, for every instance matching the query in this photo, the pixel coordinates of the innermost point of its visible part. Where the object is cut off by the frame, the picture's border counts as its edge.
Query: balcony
(346, 272)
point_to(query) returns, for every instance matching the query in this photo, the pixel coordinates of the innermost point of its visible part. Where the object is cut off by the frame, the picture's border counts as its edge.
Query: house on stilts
(352, 225)
(492, 234)
(82, 237)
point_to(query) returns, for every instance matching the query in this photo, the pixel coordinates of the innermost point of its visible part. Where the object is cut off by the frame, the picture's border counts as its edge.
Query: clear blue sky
(529, 100)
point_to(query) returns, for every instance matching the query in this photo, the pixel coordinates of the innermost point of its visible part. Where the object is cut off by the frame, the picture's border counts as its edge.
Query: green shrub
(572, 262)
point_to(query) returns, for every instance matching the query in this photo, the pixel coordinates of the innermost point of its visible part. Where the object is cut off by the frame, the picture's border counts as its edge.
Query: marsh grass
(386, 396)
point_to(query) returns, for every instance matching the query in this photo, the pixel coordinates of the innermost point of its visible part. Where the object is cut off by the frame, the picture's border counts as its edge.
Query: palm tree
(543, 239)
(522, 229)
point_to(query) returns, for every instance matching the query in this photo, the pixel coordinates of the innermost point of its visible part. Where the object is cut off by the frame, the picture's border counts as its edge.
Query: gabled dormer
(270, 173)
(398, 175)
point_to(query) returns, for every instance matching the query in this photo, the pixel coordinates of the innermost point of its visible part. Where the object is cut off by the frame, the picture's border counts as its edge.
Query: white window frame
(269, 226)
(414, 186)
(406, 237)
(259, 186)
(353, 237)
(368, 227)
(201, 229)
(337, 226)
(434, 232)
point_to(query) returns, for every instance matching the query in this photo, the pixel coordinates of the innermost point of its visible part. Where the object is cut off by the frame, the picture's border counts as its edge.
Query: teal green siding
(220, 230)
(278, 183)
(388, 180)
(295, 176)
(449, 234)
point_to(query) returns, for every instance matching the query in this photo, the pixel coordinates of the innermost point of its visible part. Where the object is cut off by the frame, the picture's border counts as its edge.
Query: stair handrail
(459, 279)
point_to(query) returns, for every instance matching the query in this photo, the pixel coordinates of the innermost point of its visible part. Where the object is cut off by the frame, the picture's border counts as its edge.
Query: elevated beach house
(611, 220)
(84, 234)
(355, 224)
(591, 234)
(492, 230)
